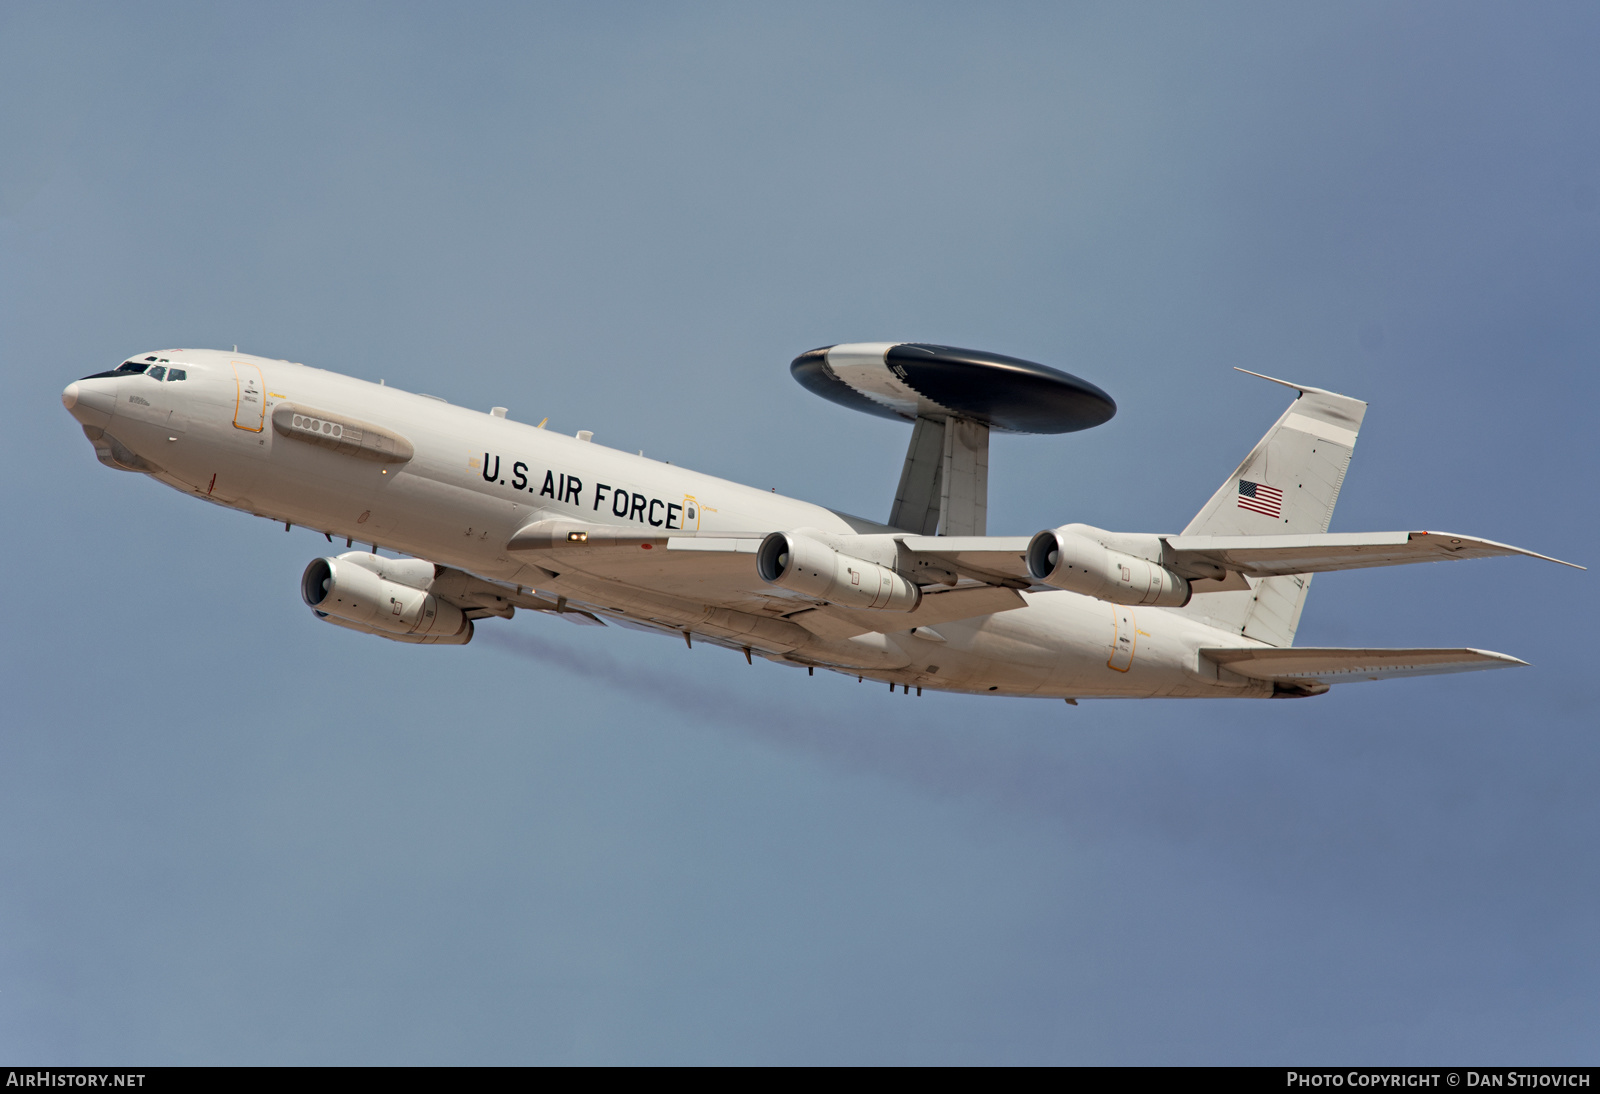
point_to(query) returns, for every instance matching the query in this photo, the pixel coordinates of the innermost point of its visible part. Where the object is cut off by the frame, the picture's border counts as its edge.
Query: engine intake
(1067, 560)
(806, 566)
(345, 592)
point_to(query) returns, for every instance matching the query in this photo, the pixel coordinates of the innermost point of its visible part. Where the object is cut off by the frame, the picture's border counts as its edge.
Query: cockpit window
(176, 374)
(132, 366)
(149, 358)
(156, 372)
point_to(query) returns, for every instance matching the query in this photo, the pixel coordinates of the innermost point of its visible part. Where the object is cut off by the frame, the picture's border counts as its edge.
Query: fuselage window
(176, 374)
(156, 372)
(132, 366)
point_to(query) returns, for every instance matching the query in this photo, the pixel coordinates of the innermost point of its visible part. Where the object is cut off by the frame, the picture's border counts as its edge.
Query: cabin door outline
(1124, 638)
(250, 398)
(689, 518)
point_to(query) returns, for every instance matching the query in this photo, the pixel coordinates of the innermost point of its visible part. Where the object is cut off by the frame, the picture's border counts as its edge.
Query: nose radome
(90, 401)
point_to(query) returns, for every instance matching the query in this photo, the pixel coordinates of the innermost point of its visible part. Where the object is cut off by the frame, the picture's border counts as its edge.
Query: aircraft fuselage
(473, 479)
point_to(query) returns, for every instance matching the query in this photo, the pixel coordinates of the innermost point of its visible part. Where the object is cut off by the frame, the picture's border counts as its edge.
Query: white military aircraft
(497, 515)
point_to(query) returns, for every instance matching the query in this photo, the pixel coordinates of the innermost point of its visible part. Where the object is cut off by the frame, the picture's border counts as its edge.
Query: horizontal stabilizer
(1271, 556)
(1309, 665)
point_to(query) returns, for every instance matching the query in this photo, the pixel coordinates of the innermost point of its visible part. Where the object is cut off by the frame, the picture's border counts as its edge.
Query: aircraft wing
(479, 598)
(1270, 556)
(719, 568)
(566, 535)
(997, 560)
(1306, 664)
(947, 606)
(1000, 559)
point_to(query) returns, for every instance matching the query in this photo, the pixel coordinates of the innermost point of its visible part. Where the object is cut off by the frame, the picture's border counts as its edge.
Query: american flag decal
(1260, 498)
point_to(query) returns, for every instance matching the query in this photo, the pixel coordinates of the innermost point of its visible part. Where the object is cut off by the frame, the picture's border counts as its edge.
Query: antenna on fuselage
(953, 398)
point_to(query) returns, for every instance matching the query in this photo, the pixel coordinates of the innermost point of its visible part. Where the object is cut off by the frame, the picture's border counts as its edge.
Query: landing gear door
(250, 402)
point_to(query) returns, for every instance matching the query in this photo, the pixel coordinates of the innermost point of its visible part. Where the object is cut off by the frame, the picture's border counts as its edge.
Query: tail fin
(1289, 483)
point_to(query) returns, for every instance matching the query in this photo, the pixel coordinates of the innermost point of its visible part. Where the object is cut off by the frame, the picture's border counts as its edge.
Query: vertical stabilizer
(1287, 484)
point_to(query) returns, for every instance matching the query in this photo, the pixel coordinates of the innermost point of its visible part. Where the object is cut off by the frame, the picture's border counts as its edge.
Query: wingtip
(1505, 659)
(1551, 558)
(1507, 547)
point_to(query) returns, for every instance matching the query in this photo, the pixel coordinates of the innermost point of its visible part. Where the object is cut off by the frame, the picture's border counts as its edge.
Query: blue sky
(231, 834)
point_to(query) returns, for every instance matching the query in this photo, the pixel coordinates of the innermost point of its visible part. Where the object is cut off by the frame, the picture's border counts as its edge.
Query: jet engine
(349, 594)
(1067, 559)
(804, 565)
(459, 639)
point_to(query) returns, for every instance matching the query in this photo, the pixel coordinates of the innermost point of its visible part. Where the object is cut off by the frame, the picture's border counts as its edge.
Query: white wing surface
(996, 559)
(1310, 665)
(719, 568)
(1000, 559)
(949, 606)
(1270, 556)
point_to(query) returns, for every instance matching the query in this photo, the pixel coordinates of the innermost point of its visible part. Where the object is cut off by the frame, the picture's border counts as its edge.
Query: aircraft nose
(90, 401)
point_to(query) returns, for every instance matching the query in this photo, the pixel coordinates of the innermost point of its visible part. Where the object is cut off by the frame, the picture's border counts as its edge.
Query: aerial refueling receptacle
(953, 397)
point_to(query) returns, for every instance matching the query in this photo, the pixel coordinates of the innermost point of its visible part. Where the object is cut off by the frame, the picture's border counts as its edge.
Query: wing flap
(715, 545)
(1309, 664)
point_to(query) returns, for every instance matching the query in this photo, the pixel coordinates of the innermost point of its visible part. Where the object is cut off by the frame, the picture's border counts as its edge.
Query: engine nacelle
(350, 594)
(1067, 560)
(806, 566)
(461, 638)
